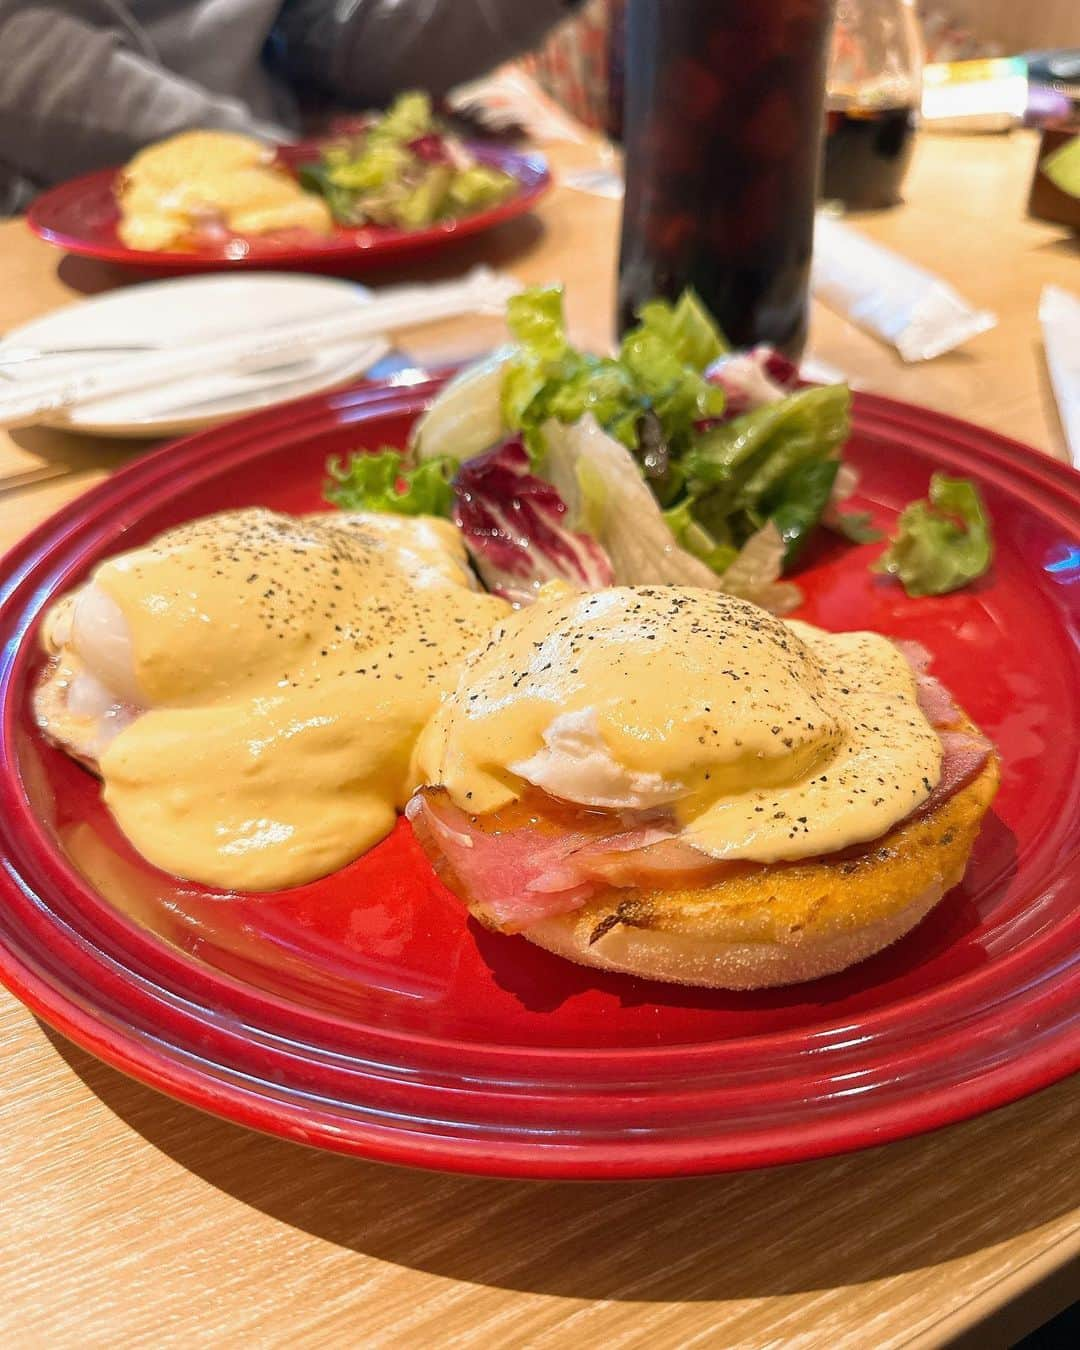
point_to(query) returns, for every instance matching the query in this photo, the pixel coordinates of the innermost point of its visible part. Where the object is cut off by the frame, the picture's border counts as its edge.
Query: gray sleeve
(369, 50)
(80, 90)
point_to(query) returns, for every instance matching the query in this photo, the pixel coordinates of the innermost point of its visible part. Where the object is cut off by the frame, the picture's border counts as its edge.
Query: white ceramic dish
(186, 310)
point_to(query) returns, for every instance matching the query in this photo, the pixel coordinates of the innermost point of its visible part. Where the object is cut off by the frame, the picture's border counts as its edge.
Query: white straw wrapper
(918, 313)
(1059, 314)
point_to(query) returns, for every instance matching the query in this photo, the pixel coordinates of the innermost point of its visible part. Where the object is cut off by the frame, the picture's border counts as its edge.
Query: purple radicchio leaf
(431, 148)
(515, 528)
(751, 380)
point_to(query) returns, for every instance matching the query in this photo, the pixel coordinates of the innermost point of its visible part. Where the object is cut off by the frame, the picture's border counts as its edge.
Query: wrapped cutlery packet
(919, 314)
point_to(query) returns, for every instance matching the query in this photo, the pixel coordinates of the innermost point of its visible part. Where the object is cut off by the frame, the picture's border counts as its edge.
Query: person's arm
(369, 50)
(80, 90)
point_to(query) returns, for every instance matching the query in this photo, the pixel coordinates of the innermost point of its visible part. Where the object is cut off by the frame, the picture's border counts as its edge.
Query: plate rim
(1014, 1080)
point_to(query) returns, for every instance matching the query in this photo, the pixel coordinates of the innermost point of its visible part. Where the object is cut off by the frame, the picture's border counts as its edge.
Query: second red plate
(366, 1013)
(81, 216)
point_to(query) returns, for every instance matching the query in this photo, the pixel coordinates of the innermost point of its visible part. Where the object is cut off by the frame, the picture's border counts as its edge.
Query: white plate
(182, 311)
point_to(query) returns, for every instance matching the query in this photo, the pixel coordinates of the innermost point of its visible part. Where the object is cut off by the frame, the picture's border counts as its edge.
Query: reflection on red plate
(365, 1013)
(81, 216)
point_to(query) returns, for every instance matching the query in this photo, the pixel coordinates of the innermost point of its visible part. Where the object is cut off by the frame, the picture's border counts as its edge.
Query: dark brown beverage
(867, 151)
(723, 129)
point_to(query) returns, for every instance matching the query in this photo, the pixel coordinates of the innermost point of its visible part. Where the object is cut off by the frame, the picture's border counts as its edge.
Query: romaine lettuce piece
(755, 573)
(376, 166)
(696, 539)
(604, 491)
(759, 449)
(801, 501)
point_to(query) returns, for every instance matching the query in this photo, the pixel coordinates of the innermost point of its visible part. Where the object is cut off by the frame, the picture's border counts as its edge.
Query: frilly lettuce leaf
(679, 394)
(535, 318)
(658, 368)
(380, 482)
(687, 330)
(940, 544)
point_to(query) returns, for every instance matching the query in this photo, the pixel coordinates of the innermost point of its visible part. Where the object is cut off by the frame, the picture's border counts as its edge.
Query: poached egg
(765, 740)
(250, 686)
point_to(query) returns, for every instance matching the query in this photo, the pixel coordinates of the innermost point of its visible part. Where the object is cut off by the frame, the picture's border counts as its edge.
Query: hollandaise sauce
(171, 190)
(282, 670)
(763, 740)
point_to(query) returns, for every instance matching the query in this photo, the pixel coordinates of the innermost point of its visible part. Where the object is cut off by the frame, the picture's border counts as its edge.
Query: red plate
(366, 1014)
(81, 216)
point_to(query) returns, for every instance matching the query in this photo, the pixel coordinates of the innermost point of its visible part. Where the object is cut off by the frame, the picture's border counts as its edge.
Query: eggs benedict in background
(250, 686)
(674, 783)
(200, 186)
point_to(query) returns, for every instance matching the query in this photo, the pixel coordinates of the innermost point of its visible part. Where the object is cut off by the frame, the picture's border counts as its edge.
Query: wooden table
(128, 1220)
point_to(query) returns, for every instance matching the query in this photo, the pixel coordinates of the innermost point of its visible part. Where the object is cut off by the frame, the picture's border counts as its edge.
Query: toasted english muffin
(781, 924)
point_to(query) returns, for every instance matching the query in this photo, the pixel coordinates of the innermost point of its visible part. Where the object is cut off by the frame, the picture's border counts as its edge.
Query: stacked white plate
(182, 312)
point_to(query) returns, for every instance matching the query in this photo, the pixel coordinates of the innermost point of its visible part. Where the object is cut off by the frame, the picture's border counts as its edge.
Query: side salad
(673, 461)
(403, 168)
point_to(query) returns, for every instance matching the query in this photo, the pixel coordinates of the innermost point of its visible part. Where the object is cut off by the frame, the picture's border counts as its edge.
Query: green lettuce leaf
(378, 165)
(801, 502)
(409, 116)
(856, 526)
(678, 394)
(535, 318)
(756, 451)
(940, 544)
(687, 330)
(548, 378)
(691, 535)
(380, 482)
(658, 368)
(480, 186)
(423, 204)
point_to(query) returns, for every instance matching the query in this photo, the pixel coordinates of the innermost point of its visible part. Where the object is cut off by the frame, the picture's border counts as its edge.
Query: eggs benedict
(250, 686)
(674, 783)
(203, 185)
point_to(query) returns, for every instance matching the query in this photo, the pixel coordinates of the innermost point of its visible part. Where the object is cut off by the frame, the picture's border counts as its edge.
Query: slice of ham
(517, 874)
(964, 752)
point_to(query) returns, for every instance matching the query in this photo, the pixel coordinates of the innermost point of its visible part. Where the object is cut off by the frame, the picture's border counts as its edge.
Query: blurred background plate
(181, 312)
(81, 216)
